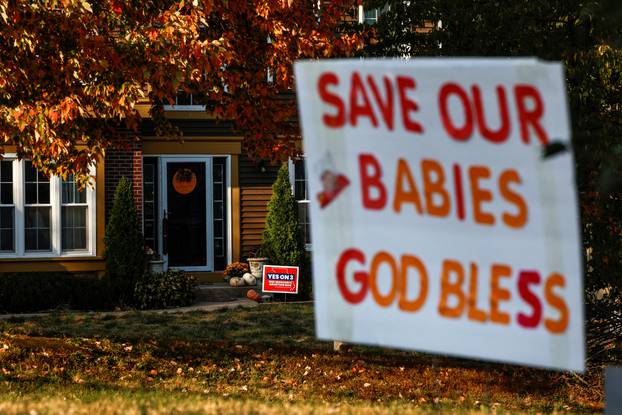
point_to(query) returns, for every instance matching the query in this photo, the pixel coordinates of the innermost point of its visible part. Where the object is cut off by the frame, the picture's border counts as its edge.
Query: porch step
(221, 292)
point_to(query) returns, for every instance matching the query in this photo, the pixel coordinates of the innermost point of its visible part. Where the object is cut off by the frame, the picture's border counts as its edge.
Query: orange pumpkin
(253, 295)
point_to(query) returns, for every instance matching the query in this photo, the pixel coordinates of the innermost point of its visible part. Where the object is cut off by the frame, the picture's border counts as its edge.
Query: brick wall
(128, 163)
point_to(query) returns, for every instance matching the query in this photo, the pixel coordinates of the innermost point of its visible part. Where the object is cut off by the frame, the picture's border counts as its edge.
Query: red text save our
(386, 101)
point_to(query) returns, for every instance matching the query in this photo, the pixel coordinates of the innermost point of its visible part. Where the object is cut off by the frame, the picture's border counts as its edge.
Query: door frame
(209, 217)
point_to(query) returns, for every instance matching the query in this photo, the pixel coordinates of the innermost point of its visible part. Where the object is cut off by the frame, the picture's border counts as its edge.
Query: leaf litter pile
(253, 360)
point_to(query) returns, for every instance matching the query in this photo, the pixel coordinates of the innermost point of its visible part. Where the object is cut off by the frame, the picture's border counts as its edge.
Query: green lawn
(252, 360)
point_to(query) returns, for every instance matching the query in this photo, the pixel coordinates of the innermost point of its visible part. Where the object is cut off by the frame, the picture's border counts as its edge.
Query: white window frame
(291, 168)
(10, 159)
(361, 16)
(49, 205)
(19, 198)
(70, 205)
(379, 11)
(190, 107)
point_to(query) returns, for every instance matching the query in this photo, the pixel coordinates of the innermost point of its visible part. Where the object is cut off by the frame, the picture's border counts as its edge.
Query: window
(184, 99)
(7, 207)
(42, 216)
(187, 101)
(38, 209)
(370, 16)
(73, 217)
(298, 179)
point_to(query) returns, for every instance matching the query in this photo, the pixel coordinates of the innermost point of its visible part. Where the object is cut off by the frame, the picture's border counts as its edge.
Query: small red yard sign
(280, 279)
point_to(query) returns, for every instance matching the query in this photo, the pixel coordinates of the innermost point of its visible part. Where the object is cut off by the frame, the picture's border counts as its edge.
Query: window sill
(77, 264)
(184, 108)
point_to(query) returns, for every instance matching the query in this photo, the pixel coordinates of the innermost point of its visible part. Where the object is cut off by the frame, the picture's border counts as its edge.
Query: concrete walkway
(199, 306)
(210, 306)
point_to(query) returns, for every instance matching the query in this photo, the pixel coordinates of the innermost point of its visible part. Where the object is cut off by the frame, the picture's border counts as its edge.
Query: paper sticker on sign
(439, 225)
(280, 279)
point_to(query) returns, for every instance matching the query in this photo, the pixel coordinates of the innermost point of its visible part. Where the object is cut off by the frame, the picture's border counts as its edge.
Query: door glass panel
(218, 209)
(186, 210)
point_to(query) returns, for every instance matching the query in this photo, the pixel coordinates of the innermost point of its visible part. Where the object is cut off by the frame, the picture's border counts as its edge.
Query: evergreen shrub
(125, 256)
(283, 241)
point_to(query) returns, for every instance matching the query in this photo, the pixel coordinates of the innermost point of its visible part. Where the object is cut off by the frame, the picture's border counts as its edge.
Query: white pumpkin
(236, 282)
(249, 279)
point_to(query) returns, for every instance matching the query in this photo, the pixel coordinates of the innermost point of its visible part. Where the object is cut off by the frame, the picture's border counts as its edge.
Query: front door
(187, 213)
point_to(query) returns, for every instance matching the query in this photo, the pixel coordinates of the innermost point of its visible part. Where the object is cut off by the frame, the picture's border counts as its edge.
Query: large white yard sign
(438, 223)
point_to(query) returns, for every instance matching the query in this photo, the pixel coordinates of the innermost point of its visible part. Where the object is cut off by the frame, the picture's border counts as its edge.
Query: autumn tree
(72, 71)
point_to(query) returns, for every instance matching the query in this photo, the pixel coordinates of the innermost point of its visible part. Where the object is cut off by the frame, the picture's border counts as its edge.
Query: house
(201, 202)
